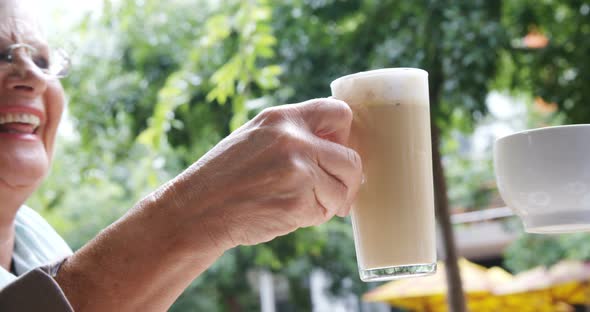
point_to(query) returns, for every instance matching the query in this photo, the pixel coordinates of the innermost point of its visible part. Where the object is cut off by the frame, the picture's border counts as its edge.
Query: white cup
(543, 175)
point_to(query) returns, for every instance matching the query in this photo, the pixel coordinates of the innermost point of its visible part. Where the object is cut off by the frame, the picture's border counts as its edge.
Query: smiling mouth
(19, 123)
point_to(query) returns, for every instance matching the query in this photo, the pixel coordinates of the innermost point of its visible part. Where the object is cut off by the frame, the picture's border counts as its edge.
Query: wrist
(143, 261)
(193, 224)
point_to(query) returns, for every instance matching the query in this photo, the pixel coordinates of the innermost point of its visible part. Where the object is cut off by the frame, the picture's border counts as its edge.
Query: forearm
(143, 262)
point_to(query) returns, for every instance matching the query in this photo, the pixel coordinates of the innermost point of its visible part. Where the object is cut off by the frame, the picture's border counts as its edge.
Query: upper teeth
(20, 117)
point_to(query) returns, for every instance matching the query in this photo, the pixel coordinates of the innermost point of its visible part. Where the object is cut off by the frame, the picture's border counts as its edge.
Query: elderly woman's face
(31, 104)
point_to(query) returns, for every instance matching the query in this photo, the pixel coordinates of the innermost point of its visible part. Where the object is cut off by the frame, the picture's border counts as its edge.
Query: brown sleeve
(34, 291)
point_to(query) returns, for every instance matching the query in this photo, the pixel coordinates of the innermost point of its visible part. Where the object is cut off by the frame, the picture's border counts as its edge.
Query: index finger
(328, 119)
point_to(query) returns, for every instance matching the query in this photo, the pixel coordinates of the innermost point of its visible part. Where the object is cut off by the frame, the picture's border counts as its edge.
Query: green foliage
(529, 251)
(532, 250)
(457, 43)
(471, 182)
(560, 72)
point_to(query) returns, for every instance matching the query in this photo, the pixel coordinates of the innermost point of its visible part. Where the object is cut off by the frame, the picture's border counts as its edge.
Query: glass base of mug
(397, 272)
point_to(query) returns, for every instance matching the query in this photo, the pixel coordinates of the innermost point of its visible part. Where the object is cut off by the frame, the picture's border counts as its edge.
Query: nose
(26, 77)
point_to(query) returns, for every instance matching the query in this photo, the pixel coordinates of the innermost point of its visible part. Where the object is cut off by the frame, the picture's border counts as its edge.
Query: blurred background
(155, 84)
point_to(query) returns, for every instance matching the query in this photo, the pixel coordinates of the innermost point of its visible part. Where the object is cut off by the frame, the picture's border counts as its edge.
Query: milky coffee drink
(393, 216)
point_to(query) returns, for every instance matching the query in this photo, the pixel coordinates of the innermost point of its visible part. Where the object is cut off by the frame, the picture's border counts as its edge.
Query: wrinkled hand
(285, 169)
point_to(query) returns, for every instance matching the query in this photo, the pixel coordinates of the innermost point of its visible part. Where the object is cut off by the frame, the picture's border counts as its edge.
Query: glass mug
(393, 215)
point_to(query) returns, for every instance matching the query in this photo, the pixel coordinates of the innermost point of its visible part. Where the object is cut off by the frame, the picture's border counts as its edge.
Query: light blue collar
(36, 243)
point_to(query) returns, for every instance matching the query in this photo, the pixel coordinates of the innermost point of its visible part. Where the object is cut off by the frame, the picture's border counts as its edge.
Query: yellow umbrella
(528, 291)
(570, 282)
(486, 290)
(565, 282)
(428, 293)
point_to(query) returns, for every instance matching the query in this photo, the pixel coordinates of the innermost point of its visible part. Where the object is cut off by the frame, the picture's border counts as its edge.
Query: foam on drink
(393, 216)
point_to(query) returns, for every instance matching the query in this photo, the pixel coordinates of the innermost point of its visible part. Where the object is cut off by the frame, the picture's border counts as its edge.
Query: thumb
(328, 119)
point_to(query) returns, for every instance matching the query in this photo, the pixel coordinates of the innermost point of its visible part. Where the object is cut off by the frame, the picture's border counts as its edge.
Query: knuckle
(291, 143)
(297, 171)
(281, 140)
(343, 109)
(340, 109)
(277, 115)
(271, 115)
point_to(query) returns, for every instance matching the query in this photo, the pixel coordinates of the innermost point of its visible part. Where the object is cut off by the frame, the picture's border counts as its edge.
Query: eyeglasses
(56, 64)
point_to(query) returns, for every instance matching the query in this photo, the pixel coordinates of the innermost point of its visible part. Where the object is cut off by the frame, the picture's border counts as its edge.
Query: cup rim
(539, 131)
(375, 72)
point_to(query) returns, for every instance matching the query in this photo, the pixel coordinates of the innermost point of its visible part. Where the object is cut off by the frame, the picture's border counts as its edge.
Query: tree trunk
(455, 296)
